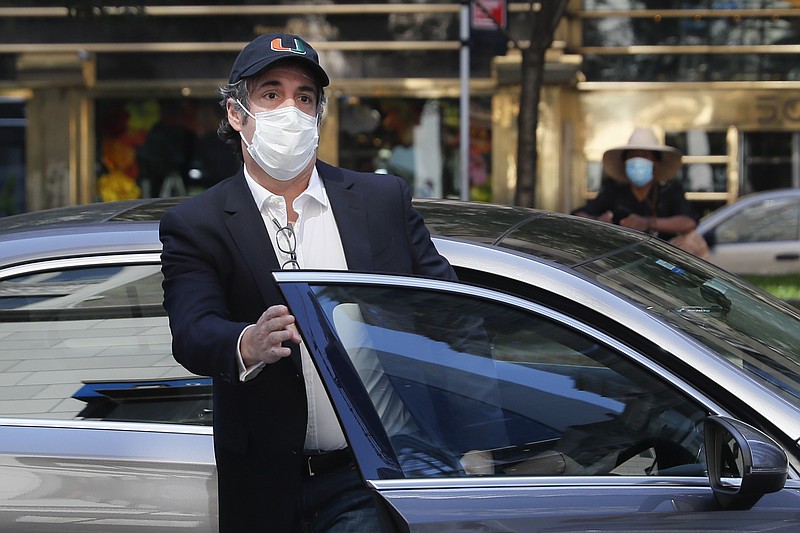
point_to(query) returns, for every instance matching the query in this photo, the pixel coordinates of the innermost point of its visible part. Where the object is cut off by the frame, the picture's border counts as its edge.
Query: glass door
(12, 156)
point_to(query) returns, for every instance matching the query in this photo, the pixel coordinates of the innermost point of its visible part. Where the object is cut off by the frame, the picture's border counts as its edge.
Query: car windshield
(747, 326)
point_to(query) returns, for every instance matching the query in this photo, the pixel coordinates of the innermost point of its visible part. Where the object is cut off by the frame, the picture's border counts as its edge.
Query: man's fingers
(275, 318)
(277, 337)
(274, 327)
(295, 335)
(275, 311)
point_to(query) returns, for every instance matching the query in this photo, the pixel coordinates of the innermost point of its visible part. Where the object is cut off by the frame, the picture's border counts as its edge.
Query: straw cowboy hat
(643, 139)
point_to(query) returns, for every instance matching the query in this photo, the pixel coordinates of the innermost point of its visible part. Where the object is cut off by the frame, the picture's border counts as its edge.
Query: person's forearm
(676, 224)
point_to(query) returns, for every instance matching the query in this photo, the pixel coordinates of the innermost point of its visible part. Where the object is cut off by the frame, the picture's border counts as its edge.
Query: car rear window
(92, 342)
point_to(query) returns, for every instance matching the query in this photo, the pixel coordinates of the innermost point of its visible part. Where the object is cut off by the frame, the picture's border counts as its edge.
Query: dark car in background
(580, 376)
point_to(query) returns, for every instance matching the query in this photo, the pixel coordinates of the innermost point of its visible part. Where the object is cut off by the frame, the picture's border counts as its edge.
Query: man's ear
(234, 116)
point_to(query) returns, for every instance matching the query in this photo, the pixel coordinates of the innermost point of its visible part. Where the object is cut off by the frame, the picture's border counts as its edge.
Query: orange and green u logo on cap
(277, 46)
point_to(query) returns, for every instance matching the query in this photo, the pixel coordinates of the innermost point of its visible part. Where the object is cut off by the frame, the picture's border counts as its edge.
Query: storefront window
(418, 140)
(675, 67)
(770, 160)
(159, 148)
(12, 157)
(705, 166)
(671, 36)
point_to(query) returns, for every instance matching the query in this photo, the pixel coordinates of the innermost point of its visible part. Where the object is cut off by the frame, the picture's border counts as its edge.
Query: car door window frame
(296, 287)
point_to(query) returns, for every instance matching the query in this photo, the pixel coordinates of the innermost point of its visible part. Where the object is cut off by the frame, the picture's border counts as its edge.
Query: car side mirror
(743, 463)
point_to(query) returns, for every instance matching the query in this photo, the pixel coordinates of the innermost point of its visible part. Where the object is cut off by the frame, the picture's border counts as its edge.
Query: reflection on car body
(580, 375)
(175, 400)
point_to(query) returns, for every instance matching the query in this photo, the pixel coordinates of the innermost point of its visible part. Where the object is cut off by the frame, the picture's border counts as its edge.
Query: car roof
(558, 237)
(90, 228)
(96, 213)
(82, 230)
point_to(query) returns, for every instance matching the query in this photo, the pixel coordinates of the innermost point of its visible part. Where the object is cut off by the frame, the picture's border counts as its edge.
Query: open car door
(473, 410)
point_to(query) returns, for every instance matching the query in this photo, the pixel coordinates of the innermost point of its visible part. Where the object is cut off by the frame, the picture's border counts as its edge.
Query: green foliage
(785, 287)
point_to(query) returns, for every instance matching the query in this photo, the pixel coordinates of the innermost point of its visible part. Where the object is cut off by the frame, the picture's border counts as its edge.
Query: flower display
(117, 185)
(124, 128)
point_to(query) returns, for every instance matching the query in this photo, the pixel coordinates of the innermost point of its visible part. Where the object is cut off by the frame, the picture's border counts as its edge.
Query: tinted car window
(567, 240)
(465, 386)
(720, 310)
(776, 219)
(563, 239)
(93, 343)
(476, 221)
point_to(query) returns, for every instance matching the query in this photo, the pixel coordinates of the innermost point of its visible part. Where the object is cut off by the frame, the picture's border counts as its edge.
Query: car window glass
(769, 220)
(566, 240)
(93, 343)
(716, 308)
(465, 386)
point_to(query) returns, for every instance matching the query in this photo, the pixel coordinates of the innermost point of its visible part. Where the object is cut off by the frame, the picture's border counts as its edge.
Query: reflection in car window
(93, 343)
(775, 219)
(108, 288)
(566, 240)
(716, 308)
(465, 386)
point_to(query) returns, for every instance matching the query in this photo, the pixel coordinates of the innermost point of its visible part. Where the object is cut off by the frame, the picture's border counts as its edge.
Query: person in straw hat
(642, 194)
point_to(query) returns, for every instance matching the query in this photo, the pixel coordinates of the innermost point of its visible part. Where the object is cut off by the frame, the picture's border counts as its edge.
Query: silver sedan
(579, 377)
(757, 234)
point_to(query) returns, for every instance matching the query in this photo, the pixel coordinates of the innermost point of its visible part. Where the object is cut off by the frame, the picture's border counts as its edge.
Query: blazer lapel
(349, 210)
(247, 230)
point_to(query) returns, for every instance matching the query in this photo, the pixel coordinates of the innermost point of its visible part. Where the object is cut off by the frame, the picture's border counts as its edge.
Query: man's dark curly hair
(237, 91)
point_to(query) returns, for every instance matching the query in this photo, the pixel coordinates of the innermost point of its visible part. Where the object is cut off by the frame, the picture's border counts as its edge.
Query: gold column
(734, 175)
(60, 133)
(328, 150)
(505, 109)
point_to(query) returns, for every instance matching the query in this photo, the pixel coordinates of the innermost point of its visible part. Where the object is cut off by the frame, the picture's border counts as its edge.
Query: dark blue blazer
(217, 258)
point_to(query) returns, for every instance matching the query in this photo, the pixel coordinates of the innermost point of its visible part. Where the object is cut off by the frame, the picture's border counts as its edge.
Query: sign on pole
(489, 14)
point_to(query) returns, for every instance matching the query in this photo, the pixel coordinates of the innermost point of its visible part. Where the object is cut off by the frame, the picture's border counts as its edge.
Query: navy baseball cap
(268, 48)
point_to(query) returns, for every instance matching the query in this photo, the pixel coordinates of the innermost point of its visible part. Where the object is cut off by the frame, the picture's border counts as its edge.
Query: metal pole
(464, 101)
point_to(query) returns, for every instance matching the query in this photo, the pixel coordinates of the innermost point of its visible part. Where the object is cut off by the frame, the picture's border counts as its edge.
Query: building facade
(105, 100)
(718, 79)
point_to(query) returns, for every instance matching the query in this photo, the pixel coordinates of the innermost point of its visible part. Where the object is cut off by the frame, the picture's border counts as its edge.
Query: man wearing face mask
(283, 463)
(642, 193)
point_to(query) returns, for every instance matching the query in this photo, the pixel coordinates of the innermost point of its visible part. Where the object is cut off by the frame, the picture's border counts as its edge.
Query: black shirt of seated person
(640, 191)
(665, 199)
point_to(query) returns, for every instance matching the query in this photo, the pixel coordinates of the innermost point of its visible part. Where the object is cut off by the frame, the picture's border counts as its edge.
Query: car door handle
(787, 257)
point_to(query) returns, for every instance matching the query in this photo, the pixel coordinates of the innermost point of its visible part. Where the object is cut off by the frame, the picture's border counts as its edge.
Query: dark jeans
(336, 502)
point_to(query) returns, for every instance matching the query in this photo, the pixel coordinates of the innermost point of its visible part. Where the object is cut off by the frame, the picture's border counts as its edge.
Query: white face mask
(284, 142)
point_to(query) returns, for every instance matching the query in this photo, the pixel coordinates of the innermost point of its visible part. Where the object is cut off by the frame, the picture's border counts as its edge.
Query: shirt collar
(315, 190)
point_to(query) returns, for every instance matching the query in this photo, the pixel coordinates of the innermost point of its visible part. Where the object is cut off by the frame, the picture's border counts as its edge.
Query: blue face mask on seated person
(639, 170)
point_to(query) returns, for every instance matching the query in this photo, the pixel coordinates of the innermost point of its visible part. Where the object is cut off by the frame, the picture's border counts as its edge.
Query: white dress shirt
(319, 247)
